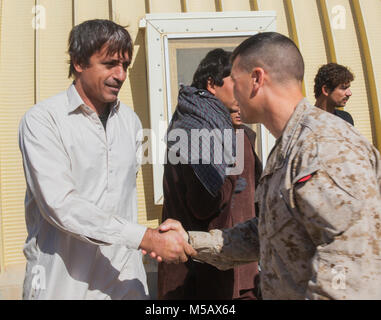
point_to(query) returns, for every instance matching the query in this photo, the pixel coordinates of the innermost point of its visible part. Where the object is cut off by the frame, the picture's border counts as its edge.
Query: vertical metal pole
(36, 64)
(219, 5)
(184, 5)
(368, 72)
(327, 30)
(110, 8)
(292, 29)
(73, 20)
(254, 5)
(148, 6)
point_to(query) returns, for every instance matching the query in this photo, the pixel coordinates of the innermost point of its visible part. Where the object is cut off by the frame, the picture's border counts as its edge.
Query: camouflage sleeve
(227, 248)
(340, 207)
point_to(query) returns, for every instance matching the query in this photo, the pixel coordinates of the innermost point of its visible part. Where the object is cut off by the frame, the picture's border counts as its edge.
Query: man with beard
(332, 89)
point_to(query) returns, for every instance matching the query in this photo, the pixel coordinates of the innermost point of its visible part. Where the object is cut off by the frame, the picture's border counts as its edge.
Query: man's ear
(211, 87)
(257, 77)
(325, 90)
(78, 67)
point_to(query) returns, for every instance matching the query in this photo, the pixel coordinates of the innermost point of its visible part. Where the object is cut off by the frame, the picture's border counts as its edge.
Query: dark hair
(331, 75)
(90, 36)
(275, 53)
(214, 67)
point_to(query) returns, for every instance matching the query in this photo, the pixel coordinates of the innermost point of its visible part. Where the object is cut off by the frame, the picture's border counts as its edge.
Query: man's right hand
(175, 225)
(168, 245)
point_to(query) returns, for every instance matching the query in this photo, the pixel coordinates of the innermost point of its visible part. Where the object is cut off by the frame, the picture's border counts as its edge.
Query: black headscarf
(199, 109)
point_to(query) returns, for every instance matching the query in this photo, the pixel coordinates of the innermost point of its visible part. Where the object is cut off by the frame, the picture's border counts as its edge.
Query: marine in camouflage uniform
(319, 196)
(319, 201)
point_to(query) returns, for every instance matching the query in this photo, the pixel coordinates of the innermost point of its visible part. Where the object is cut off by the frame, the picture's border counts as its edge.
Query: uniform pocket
(277, 216)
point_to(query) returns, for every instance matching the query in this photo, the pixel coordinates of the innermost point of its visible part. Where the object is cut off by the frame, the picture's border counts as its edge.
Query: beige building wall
(17, 93)
(372, 18)
(311, 41)
(33, 66)
(348, 54)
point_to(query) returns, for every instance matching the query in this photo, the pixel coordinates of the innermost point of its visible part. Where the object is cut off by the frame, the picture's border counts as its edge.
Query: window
(175, 44)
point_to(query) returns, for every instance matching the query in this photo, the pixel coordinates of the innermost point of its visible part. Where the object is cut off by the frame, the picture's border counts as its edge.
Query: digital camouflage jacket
(319, 229)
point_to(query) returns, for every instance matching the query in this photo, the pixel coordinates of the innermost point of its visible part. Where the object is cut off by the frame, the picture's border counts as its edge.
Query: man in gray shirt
(81, 203)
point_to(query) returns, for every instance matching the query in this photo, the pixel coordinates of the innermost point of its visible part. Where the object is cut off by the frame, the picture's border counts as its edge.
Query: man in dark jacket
(332, 89)
(200, 197)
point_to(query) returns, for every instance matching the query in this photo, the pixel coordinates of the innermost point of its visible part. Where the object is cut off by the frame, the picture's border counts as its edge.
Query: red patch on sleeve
(306, 178)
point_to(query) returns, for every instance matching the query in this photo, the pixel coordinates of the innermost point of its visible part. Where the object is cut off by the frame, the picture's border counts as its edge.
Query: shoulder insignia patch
(304, 179)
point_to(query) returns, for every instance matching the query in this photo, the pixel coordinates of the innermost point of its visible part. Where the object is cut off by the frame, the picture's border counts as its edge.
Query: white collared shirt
(81, 202)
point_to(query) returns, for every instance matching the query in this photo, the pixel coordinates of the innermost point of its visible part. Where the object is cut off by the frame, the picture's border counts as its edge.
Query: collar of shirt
(75, 101)
(282, 144)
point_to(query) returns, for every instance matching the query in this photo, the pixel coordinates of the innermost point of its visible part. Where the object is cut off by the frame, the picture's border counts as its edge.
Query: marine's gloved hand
(240, 185)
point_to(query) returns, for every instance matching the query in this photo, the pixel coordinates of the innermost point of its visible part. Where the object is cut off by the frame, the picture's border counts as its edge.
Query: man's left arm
(340, 207)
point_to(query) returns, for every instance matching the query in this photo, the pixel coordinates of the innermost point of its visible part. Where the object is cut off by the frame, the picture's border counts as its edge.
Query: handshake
(167, 243)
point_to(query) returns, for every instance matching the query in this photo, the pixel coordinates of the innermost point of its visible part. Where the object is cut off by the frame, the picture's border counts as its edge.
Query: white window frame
(160, 28)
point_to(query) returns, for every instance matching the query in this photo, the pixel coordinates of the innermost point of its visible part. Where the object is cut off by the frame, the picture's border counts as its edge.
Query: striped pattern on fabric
(196, 110)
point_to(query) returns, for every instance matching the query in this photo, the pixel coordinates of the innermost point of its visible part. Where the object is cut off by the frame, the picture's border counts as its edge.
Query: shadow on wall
(139, 90)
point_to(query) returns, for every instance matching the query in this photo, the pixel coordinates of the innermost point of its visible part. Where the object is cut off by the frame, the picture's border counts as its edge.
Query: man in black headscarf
(198, 192)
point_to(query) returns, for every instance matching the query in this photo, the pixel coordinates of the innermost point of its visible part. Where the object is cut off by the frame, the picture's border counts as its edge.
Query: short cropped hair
(331, 75)
(214, 67)
(275, 53)
(90, 36)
